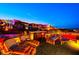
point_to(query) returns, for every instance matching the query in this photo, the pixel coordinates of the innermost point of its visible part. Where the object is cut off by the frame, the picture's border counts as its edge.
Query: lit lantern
(31, 35)
(17, 39)
(25, 33)
(42, 33)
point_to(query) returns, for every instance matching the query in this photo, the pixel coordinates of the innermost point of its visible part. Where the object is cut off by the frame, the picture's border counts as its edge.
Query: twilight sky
(58, 15)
